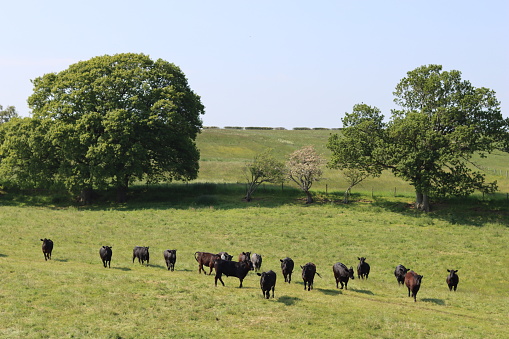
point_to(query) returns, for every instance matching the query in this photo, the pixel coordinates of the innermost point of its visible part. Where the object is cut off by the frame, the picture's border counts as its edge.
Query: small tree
(304, 168)
(264, 168)
(7, 114)
(353, 177)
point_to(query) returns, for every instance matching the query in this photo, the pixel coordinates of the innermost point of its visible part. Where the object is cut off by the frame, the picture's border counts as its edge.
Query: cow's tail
(195, 256)
(318, 274)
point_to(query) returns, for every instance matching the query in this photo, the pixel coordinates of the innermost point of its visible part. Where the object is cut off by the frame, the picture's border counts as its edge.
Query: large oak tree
(115, 119)
(442, 121)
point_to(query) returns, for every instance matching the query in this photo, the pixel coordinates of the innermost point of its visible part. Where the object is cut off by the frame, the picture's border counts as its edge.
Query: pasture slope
(73, 295)
(224, 153)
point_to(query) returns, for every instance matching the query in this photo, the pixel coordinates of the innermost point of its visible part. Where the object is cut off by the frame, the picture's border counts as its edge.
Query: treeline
(275, 128)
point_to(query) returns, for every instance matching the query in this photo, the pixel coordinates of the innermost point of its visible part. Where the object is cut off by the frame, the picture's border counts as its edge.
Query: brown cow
(207, 259)
(245, 256)
(413, 283)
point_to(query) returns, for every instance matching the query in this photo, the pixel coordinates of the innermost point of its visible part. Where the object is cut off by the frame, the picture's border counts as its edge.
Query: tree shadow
(465, 211)
(288, 301)
(362, 291)
(440, 302)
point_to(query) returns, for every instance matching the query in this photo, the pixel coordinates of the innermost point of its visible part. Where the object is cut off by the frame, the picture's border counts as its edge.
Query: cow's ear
(448, 270)
(281, 260)
(455, 271)
(259, 274)
(358, 258)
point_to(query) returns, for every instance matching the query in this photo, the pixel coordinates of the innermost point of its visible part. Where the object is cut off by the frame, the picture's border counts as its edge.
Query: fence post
(371, 192)
(326, 188)
(394, 191)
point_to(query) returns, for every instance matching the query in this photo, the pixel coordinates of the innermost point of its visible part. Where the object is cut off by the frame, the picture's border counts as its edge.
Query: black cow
(256, 259)
(232, 269)
(267, 283)
(400, 273)
(308, 275)
(47, 248)
(206, 259)
(342, 274)
(287, 268)
(142, 254)
(225, 256)
(105, 253)
(413, 283)
(452, 279)
(170, 256)
(363, 268)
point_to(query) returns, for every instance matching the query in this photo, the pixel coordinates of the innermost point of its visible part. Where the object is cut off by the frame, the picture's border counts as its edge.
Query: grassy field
(224, 153)
(74, 296)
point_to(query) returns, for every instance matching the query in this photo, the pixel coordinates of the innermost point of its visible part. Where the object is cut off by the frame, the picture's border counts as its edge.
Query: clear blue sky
(264, 63)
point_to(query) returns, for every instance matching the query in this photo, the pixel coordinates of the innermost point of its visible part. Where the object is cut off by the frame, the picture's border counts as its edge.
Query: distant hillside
(224, 153)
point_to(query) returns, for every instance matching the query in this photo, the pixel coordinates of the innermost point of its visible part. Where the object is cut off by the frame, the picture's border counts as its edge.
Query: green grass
(224, 153)
(74, 296)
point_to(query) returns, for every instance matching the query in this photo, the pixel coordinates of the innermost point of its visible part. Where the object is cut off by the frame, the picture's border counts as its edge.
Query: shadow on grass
(288, 301)
(471, 211)
(122, 268)
(165, 196)
(362, 291)
(3, 255)
(440, 302)
(61, 260)
(329, 291)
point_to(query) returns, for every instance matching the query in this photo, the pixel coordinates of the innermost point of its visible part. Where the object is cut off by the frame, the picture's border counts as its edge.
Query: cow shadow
(440, 302)
(3, 255)
(61, 260)
(330, 291)
(287, 300)
(362, 291)
(122, 268)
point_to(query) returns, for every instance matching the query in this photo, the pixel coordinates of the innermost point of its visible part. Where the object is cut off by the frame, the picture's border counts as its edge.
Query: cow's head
(350, 273)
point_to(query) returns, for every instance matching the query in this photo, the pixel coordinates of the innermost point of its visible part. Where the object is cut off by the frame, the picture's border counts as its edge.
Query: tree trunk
(121, 194)
(86, 195)
(122, 190)
(347, 195)
(309, 198)
(421, 201)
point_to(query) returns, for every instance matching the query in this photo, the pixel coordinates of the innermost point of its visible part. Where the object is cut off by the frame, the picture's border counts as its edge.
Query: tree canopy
(114, 119)
(304, 168)
(264, 168)
(442, 121)
(7, 114)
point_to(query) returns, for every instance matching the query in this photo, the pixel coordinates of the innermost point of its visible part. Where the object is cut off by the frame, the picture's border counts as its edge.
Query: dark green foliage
(430, 142)
(106, 122)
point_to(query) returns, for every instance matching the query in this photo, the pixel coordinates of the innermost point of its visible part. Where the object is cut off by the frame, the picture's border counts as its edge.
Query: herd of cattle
(223, 264)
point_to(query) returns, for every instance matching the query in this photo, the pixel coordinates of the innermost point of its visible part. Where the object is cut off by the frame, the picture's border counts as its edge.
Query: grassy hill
(74, 296)
(224, 152)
